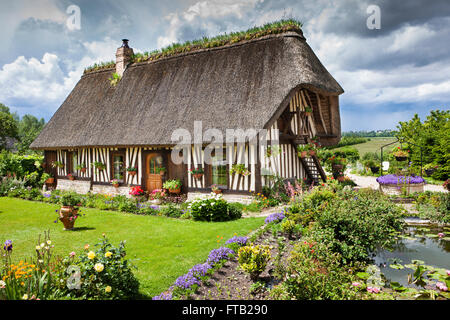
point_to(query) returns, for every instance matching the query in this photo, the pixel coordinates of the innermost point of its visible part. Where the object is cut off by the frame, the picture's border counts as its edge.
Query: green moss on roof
(276, 27)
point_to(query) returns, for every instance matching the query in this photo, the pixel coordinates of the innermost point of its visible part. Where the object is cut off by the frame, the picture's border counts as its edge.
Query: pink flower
(356, 284)
(441, 286)
(72, 254)
(440, 234)
(448, 272)
(373, 290)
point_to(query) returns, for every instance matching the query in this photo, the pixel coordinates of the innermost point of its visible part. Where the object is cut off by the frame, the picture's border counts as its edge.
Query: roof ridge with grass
(221, 41)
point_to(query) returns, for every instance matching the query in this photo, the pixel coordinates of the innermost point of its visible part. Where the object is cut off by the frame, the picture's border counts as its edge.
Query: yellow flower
(108, 289)
(49, 242)
(25, 297)
(108, 254)
(99, 267)
(91, 255)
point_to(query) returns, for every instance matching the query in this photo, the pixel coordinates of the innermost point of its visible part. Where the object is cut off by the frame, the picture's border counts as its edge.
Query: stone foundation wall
(79, 186)
(245, 199)
(109, 189)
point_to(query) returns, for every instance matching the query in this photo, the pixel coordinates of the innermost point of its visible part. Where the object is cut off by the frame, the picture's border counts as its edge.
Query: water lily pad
(418, 261)
(397, 266)
(430, 235)
(398, 287)
(445, 238)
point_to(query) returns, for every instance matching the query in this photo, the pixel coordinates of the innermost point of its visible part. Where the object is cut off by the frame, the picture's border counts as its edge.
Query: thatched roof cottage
(261, 83)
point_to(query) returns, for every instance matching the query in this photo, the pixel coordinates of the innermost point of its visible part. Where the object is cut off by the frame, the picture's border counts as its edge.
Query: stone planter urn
(68, 215)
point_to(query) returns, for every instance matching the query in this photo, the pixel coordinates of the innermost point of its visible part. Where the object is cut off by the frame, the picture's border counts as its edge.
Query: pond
(417, 242)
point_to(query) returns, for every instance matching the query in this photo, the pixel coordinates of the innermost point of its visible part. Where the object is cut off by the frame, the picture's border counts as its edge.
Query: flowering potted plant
(160, 170)
(400, 155)
(81, 167)
(69, 209)
(157, 195)
(71, 176)
(215, 189)
(115, 183)
(98, 165)
(337, 165)
(430, 168)
(197, 172)
(396, 184)
(305, 149)
(174, 186)
(132, 171)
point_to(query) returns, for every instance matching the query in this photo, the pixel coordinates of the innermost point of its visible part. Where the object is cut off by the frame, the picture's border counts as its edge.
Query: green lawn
(161, 248)
(375, 144)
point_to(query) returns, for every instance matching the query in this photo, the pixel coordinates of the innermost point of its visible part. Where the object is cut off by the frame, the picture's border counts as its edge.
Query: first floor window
(118, 166)
(219, 171)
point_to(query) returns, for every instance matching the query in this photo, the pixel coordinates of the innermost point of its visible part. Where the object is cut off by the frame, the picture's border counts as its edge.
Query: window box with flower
(132, 171)
(81, 167)
(197, 173)
(71, 177)
(98, 165)
(240, 169)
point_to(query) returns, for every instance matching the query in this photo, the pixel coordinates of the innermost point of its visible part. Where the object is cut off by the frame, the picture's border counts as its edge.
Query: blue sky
(388, 74)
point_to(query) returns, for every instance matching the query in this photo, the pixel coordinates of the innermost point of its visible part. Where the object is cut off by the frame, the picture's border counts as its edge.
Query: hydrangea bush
(213, 208)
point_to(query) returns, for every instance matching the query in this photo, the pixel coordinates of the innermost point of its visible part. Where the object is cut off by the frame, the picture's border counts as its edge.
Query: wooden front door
(154, 179)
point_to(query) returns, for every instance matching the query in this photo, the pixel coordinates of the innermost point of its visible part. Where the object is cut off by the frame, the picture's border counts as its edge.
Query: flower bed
(396, 185)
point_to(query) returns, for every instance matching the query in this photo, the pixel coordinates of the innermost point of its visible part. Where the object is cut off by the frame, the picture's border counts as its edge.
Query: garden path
(370, 182)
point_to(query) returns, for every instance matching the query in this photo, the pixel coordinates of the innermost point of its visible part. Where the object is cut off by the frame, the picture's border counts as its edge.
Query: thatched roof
(237, 86)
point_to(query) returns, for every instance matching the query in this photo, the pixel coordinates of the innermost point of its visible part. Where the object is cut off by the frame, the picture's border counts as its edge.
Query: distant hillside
(373, 133)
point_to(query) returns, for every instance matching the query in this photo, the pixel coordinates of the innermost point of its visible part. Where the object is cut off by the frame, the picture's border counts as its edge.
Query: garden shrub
(105, 273)
(313, 273)
(355, 227)
(213, 208)
(171, 210)
(253, 259)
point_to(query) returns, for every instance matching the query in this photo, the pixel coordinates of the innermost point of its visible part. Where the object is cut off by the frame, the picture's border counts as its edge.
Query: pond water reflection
(416, 243)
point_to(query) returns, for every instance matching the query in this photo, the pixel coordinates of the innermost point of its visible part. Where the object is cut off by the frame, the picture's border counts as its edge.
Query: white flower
(49, 242)
(2, 283)
(25, 297)
(99, 267)
(38, 248)
(42, 245)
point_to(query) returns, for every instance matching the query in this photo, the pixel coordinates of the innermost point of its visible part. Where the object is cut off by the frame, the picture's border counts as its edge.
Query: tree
(8, 128)
(433, 136)
(28, 129)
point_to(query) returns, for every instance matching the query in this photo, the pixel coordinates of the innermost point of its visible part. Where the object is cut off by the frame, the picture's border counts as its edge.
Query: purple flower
(163, 296)
(394, 179)
(186, 281)
(8, 245)
(275, 217)
(242, 241)
(200, 270)
(217, 255)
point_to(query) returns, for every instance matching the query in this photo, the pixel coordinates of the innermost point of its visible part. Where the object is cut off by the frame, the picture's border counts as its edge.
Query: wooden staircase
(313, 169)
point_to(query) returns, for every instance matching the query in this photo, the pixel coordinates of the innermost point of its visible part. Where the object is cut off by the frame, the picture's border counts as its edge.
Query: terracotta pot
(132, 173)
(115, 185)
(217, 191)
(312, 152)
(83, 170)
(198, 175)
(71, 178)
(176, 191)
(303, 154)
(50, 180)
(161, 173)
(66, 215)
(400, 158)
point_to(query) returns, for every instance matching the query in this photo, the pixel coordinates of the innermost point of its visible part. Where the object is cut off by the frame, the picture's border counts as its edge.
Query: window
(118, 166)
(219, 170)
(72, 162)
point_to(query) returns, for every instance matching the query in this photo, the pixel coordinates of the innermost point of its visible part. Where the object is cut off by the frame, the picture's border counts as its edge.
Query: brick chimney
(123, 57)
